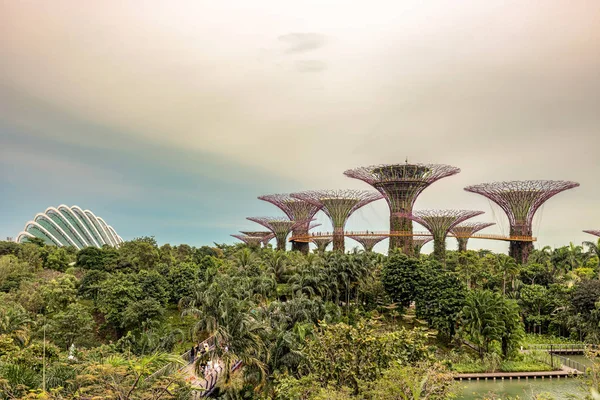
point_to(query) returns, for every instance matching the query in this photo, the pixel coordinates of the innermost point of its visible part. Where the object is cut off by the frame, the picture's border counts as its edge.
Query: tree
(439, 298)
(399, 277)
(480, 320)
(181, 279)
(342, 355)
(594, 249)
(535, 305)
(59, 293)
(509, 269)
(74, 325)
(59, 259)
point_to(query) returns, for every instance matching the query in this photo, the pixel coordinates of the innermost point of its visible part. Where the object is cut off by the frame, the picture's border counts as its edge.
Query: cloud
(310, 65)
(302, 42)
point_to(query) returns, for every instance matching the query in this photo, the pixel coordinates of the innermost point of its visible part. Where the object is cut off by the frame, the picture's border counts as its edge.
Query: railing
(555, 360)
(172, 367)
(314, 235)
(560, 348)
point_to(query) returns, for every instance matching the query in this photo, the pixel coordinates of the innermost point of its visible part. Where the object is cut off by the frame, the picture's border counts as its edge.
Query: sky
(169, 118)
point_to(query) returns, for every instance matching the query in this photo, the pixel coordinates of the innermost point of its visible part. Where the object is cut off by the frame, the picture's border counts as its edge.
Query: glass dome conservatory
(70, 226)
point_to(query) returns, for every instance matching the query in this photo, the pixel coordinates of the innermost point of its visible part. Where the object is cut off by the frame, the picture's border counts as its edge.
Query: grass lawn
(505, 366)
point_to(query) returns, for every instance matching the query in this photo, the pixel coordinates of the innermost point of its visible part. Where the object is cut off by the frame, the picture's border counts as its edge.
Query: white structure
(70, 226)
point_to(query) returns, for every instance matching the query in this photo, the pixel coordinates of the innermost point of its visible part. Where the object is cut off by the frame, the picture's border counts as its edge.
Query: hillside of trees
(98, 323)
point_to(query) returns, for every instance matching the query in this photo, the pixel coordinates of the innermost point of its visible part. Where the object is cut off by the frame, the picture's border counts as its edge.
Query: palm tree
(480, 319)
(509, 267)
(593, 249)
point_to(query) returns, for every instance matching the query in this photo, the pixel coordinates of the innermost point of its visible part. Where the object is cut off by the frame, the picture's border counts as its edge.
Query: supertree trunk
(439, 249)
(338, 240)
(462, 244)
(399, 223)
(520, 250)
(302, 247)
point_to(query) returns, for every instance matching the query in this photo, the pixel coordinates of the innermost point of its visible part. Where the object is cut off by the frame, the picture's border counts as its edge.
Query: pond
(560, 389)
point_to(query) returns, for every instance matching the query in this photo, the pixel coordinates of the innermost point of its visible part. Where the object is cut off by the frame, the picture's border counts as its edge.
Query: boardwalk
(565, 372)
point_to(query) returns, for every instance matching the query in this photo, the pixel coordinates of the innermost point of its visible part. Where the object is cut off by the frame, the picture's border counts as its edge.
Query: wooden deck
(565, 372)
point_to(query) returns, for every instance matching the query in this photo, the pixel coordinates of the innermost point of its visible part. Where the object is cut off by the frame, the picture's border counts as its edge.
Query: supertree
(439, 223)
(322, 242)
(338, 205)
(464, 231)
(593, 232)
(296, 210)
(280, 226)
(419, 242)
(520, 200)
(251, 241)
(266, 236)
(368, 241)
(401, 184)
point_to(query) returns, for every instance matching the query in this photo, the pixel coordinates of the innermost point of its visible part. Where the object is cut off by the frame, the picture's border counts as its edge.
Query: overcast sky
(168, 118)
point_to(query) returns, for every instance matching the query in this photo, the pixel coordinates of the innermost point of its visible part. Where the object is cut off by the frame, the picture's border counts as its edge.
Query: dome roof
(70, 226)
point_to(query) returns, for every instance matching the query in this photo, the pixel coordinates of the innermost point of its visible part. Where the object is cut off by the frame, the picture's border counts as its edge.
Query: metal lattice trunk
(401, 184)
(520, 200)
(321, 243)
(439, 223)
(279, 226)
(368, 241)
(266, 236)
(419, 242)
(296, 210)
(464, 231)
(251, 241)
(339, 206)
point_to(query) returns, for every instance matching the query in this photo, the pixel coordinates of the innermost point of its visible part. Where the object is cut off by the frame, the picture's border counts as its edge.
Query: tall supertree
(322, 242)
(464, 231)
(280, 226)
(338, 205)
(419, 242)
(265, 236)
(439, 223)
(520, 200)
(593, 232)
(368, 241)
(251, 241)
(401, 184)
(296, 210)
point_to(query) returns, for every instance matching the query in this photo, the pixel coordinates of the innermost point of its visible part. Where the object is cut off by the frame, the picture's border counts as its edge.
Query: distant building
(70, 226)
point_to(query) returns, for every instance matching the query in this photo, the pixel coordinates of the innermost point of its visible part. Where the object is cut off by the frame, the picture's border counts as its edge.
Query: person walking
(193, 354)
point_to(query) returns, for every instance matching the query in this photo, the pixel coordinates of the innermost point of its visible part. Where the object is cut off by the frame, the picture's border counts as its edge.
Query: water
(560, 389)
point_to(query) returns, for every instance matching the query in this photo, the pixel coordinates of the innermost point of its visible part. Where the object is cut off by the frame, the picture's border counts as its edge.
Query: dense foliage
(102, 322)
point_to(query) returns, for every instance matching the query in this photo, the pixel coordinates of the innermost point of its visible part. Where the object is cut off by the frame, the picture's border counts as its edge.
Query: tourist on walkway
(192, 354)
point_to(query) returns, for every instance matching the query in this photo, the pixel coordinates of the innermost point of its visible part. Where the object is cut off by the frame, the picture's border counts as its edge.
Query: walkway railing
(173, 367)
(560, 348)
(306, 238)
(555, 360)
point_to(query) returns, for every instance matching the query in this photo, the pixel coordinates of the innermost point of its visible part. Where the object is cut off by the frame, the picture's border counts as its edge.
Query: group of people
(198, 350)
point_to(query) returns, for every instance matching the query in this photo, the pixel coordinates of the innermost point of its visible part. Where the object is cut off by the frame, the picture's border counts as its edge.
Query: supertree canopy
(419, 242)
(464, 231)
(266, 236)
(368, 241)
(401, 184)
(593, 232)
(296, 210)
(251, 241)
(280, 226)
(439, 223)
(322, 242)
(520, 200)
(338, 205)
